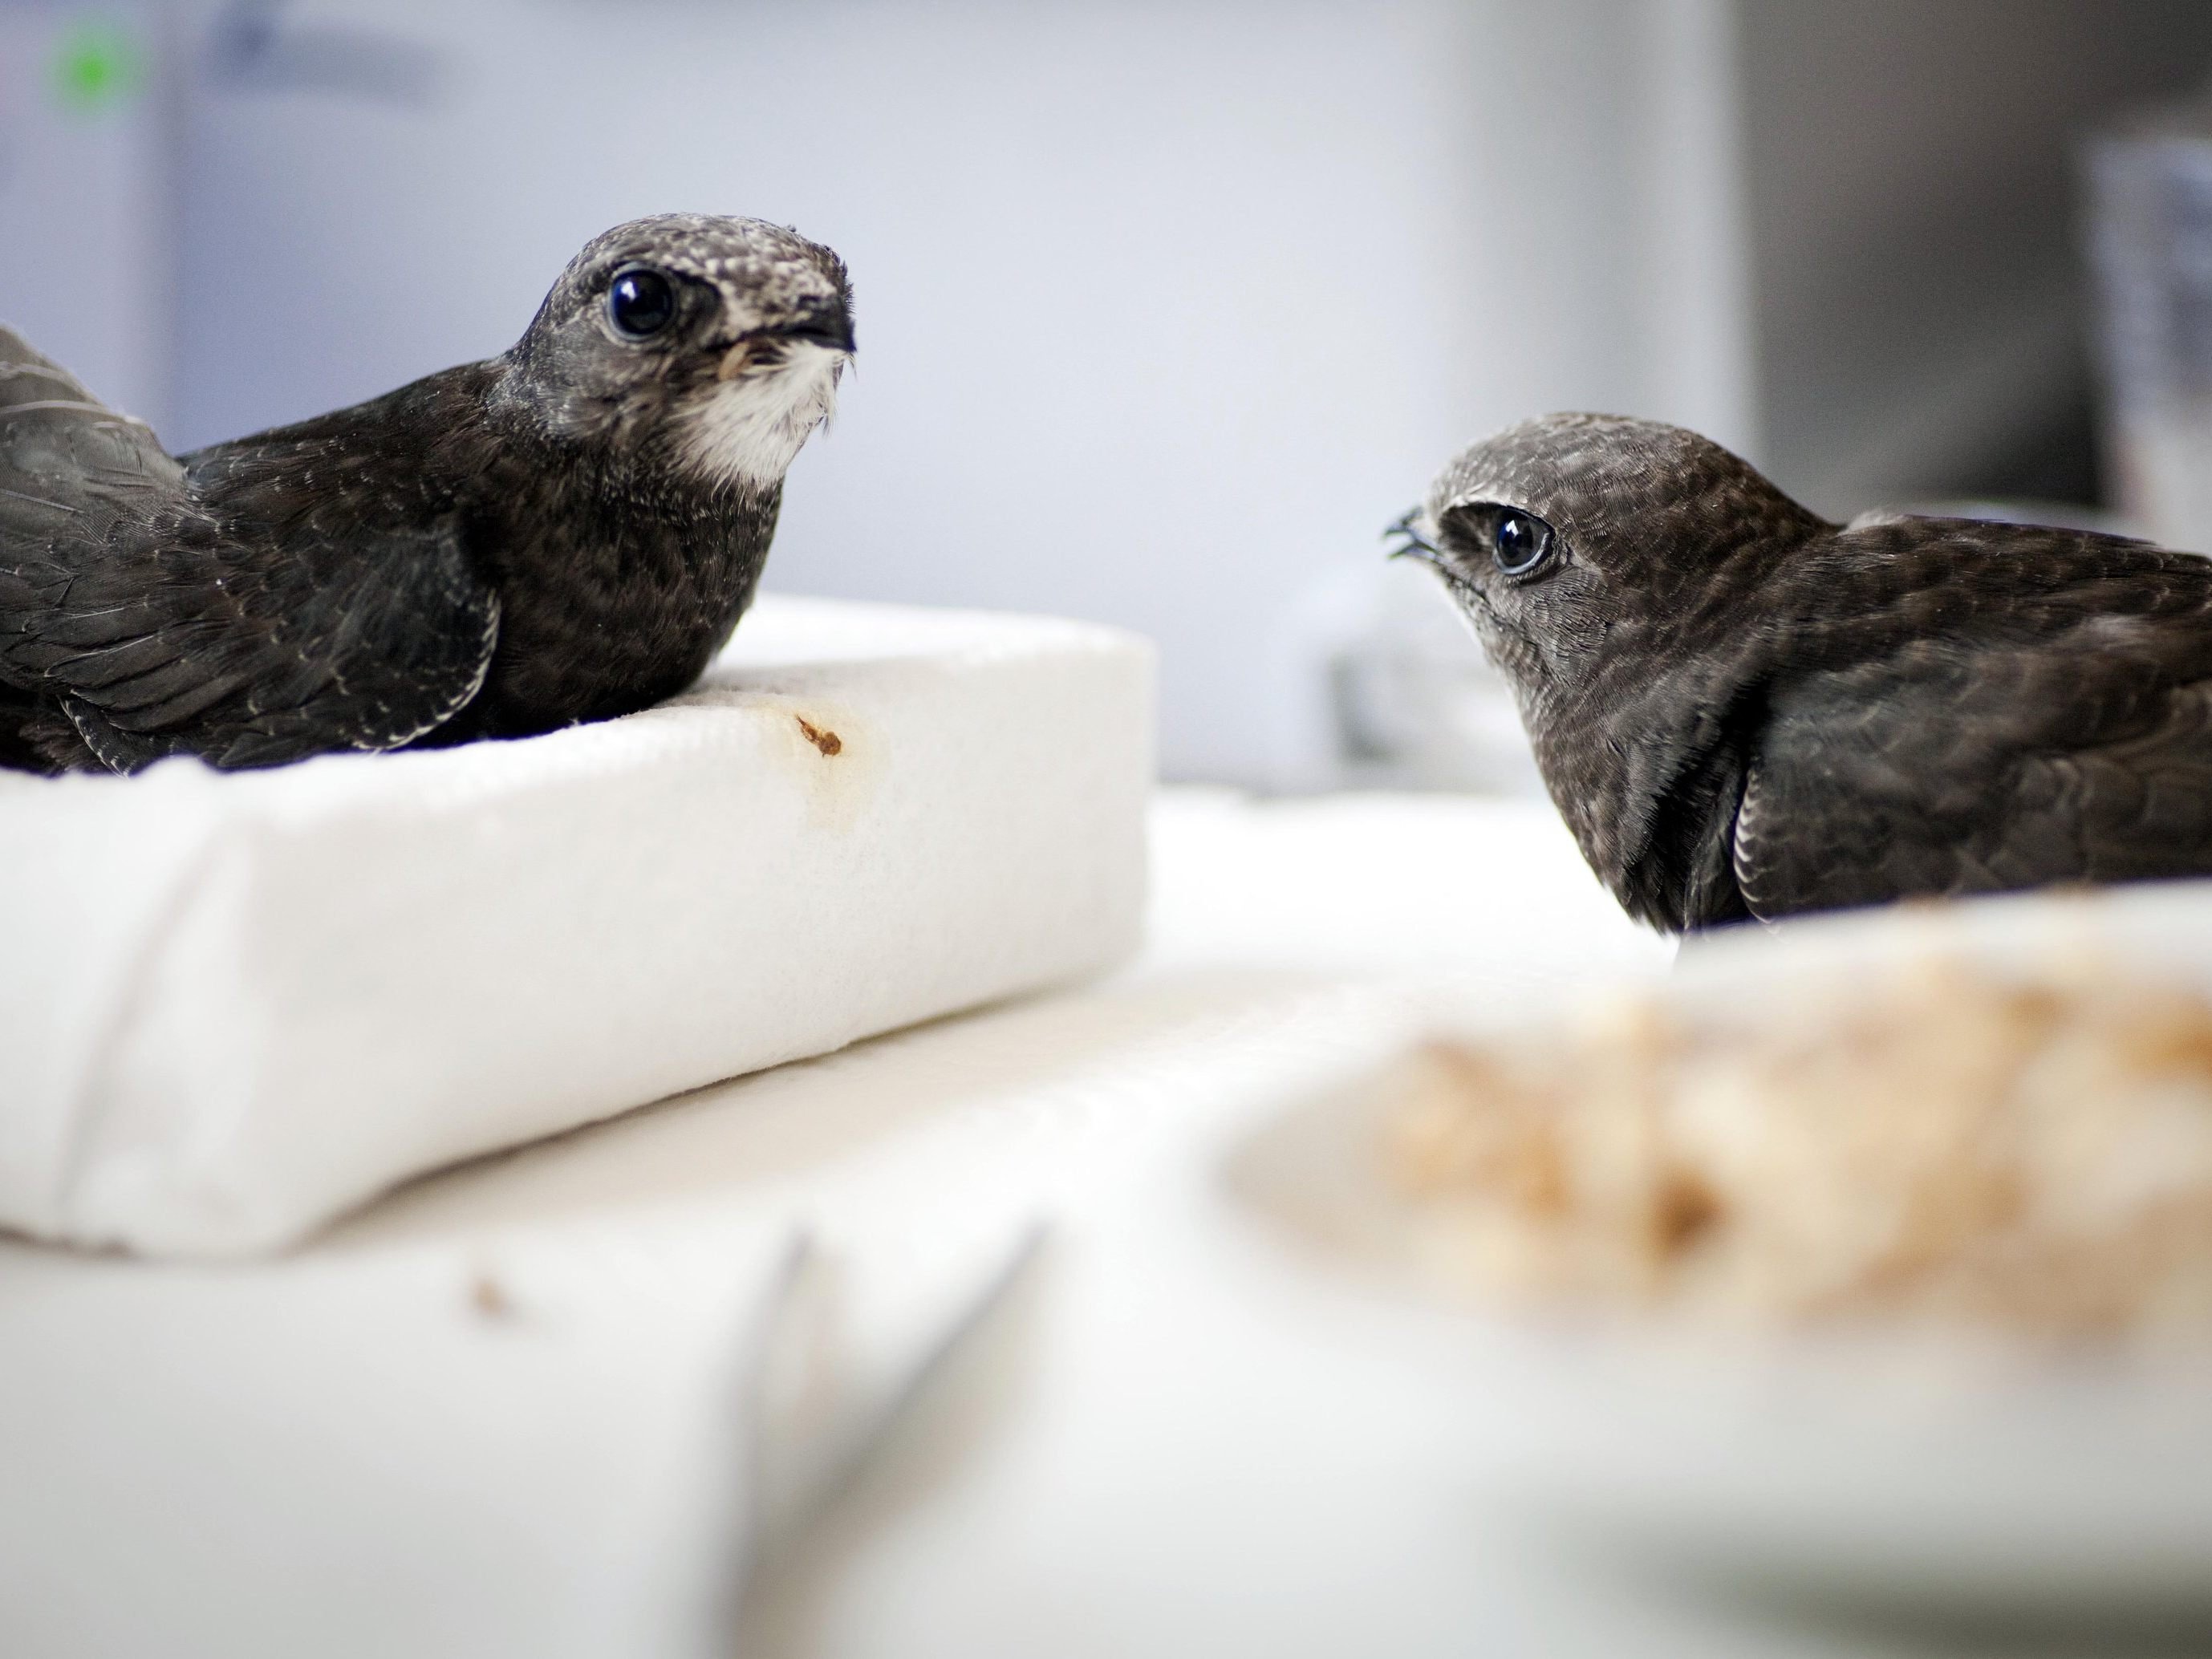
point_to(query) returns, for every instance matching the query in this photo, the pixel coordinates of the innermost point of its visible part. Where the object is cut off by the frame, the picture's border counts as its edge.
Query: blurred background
(1166, 309)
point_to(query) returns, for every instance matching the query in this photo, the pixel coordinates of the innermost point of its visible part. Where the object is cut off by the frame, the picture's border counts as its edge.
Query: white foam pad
(232, 1006)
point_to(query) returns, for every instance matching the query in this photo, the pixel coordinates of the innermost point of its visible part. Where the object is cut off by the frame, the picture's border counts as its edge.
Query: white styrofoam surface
(232, 1006)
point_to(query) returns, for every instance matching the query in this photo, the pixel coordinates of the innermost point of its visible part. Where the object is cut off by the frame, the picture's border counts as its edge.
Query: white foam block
(232, 1006)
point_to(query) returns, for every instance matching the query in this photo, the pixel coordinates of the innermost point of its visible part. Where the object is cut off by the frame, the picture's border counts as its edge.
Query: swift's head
(706, 347)
(1568, 534)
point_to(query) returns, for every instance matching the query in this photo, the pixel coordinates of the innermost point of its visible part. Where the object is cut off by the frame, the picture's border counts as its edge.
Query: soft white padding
(232, 1006)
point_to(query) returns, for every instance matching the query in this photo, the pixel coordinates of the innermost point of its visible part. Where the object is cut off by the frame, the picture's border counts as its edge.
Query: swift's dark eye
(1519, 543)
(640, 303)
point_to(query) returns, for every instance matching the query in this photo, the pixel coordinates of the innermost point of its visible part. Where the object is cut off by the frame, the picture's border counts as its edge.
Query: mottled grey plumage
(1745, 711)
(564, 532)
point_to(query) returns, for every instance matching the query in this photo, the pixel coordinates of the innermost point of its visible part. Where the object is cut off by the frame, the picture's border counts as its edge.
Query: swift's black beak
(1411, 542)
(830, 326)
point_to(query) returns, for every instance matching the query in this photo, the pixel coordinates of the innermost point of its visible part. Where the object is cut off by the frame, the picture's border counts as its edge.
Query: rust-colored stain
(828, 742)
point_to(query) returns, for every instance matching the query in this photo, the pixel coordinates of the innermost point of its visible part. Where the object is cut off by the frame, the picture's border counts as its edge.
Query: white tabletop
(1168, 1442)
(1125, 1458)
(1170, 1437)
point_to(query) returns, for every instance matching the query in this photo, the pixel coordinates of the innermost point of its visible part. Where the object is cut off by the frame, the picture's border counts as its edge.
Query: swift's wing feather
(158, 628)
(2087, 758)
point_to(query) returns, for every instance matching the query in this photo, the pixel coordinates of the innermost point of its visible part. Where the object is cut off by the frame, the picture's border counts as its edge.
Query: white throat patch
(749, 428)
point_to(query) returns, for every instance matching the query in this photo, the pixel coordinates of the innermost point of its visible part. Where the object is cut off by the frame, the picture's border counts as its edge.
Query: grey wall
(1164, 310)
(86, 195)
(1921, 327)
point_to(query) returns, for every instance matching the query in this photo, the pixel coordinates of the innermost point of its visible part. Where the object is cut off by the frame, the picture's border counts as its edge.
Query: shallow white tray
(1963, 1476)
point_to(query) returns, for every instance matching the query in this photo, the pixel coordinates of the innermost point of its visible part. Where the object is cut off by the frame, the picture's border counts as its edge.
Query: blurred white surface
(365, 1434)
(1174, 1444)
(1164, 1442)
(566, 1441)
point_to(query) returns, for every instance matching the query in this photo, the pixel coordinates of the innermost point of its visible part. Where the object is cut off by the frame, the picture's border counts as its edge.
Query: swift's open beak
(1412, 543)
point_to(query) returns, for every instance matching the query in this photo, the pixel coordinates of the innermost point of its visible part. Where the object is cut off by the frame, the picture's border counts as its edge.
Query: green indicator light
(98, 65)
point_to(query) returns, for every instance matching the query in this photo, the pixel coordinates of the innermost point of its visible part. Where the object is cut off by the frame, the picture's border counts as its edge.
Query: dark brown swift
(564, 532)
(1743, 710)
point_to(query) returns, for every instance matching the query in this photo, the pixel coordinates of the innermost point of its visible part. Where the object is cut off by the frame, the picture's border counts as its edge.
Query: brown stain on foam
(827, 741)
(840, 764)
